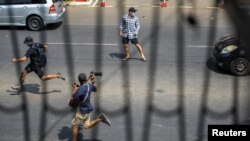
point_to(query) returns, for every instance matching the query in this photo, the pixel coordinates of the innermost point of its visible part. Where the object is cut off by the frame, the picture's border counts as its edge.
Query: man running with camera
(37, 55)
(81, 96)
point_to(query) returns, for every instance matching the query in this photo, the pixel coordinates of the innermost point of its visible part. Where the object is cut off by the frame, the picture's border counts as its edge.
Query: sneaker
(16, 87)
(144, 59)
(61, 77)
(126, 58)
(105, 120)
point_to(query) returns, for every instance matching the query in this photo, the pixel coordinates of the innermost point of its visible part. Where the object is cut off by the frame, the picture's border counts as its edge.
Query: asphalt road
(161, 99)
(150, 3)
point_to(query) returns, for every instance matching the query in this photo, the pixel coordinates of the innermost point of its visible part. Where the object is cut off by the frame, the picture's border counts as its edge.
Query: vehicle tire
(240, 67)
(35, 23)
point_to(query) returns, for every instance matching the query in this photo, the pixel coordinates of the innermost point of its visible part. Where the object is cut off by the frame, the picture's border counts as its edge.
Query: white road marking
(112, 44)
(85, 44)
(94, 4)
(212, 7)
(192, 46)
(131, 6)
(186, 7)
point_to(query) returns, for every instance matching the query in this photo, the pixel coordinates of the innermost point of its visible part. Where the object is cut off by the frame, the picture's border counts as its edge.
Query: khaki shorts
(80, 119)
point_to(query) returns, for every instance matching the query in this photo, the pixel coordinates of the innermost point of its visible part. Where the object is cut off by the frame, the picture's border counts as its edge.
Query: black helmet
(28, 41)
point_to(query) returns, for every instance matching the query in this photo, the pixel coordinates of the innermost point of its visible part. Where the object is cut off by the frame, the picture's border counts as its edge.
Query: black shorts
(38, 70)
(126, 41)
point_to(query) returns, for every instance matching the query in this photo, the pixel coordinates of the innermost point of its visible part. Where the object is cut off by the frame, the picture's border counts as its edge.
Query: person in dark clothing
(34, 65)
(81, 95)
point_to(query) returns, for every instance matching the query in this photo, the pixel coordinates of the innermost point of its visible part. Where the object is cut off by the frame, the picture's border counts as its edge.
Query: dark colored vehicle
(232, 54)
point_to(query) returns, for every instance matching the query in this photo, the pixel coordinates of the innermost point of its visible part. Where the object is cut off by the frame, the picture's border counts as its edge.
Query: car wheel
(240, 67)
(35, 23)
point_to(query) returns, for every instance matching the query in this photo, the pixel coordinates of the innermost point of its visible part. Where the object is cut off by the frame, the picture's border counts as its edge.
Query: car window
(37, 1)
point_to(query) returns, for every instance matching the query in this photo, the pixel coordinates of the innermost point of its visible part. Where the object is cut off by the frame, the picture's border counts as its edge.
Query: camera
(96, 73)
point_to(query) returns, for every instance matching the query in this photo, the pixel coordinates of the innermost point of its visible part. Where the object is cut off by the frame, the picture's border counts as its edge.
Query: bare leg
(89, 124)
(139, 47)
(50, 76)
(22, 77)
(126, 52)
(74, 133)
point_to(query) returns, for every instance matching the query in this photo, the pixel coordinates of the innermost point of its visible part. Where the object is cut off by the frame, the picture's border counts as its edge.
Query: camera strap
(85, 98)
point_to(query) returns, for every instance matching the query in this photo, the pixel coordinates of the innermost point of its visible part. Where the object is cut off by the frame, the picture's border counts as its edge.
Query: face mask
(132, 14)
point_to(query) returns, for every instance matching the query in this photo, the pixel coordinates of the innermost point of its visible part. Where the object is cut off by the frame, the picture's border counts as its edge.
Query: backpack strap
(85, 98)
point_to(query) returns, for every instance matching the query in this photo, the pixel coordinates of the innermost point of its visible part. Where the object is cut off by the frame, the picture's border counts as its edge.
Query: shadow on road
(13, 28)
(48, 27)
(65, 134)
(53, 26)
(121, 56)
(117, 55)
(32, 88)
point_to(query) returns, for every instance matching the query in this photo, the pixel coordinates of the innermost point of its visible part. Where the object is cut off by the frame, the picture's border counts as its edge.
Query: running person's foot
(126, 58)
(105, 120)
(61, 77)
(144, 59)
(16, 87)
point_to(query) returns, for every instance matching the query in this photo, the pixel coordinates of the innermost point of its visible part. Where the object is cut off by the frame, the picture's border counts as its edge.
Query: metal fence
(241, 22)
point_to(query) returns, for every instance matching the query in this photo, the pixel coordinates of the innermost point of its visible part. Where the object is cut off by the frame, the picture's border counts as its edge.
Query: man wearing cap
(81, 95)
(33, 55)
(129, 29)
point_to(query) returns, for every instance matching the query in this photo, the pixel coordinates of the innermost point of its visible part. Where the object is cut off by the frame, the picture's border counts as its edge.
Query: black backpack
(42, 59)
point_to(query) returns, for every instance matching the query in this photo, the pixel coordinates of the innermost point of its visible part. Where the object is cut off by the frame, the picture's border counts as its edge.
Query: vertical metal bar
(44, 107)
(24, 103)
(98, 63)
(128, 122)
(180, 69)
(235, 99)
(152, 67)
(207, 76)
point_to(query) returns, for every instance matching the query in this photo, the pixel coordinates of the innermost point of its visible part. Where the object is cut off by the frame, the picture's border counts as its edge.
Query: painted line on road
(94, 4)
(191, 46)
(108, 6)
(110, 44)
(131, 6)
(212, 7)
(181, 7)
(186, 7)
(84, 44)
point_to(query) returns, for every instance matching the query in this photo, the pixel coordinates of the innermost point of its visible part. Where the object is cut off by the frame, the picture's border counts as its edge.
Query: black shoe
(105, 120)
(61, 77)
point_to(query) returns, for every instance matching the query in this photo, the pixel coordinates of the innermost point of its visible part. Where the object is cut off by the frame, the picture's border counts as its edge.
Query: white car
(34, 14)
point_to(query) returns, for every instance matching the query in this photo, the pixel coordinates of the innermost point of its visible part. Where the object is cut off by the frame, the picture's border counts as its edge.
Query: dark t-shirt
(33, 55)
(81, 93)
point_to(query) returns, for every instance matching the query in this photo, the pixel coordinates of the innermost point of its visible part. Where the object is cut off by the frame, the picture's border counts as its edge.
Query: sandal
(126, 58)
(144, 59)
